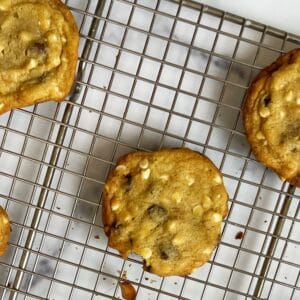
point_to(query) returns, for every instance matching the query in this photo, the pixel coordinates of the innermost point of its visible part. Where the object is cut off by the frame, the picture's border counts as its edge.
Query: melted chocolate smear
(128, 291)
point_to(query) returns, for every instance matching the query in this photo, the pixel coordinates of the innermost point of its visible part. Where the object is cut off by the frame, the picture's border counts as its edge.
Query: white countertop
(270, 12)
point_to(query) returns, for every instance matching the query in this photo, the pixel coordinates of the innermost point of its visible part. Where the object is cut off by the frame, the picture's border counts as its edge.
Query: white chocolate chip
(190, 180)
(146, 253)
(289, 96)
(146, 174)
(115, 204)
(218, 179)
(25, 36)
(207, 251)
(178, 240)
(56, 61)
(144, 163)
(298, 101)
(52, 38)
(172, 225)
(177, 197)
(264, 112)
(260, 136)
(121, 168)
(63, 39)
(32, 64)
(1, 105)
(164, 177)
(216, 217)
(207, 202)
(198, 211)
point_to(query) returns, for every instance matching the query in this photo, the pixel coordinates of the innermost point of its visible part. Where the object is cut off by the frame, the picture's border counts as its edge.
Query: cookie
(271, 116)
(166, 206)
(4, 230)
(38, 52)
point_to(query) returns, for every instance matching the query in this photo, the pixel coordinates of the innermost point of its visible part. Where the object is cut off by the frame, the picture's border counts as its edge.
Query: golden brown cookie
(38, 52)
(4, 230)
(166, 206)
(272, 116)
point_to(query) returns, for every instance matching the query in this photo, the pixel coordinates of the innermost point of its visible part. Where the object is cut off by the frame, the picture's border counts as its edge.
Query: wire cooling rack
(152, 74)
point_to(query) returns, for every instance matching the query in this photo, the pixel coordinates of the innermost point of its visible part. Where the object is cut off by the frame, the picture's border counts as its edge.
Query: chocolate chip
(117, 226)
(167, 251)
(164, 255)
(267, 100)
(36, 49)
(157, 213)
(127, 182)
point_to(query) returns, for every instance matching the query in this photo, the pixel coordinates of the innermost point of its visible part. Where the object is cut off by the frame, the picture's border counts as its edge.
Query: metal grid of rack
(152, 74)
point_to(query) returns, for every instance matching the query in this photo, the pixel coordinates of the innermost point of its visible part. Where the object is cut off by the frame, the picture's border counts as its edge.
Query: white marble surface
(277, 13)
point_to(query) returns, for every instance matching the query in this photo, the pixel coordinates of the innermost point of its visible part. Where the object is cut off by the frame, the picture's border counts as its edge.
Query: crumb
(97, 237)
(57, 207)
(239, 235)
(265, 221)
(146, 278)
(124, 274)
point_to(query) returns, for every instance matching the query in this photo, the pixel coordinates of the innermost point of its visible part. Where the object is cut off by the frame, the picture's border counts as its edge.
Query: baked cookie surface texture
(4, 230)
(38, 52)
(166, 206)
(272, 116)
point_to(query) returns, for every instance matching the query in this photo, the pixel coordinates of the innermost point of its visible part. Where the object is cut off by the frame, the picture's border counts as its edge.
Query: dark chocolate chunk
(167, 251)
(157, 213)
(127, 182)
(36, 49)
(267, 100)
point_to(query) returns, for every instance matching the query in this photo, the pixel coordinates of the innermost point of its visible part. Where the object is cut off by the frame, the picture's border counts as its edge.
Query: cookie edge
(6, 231)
